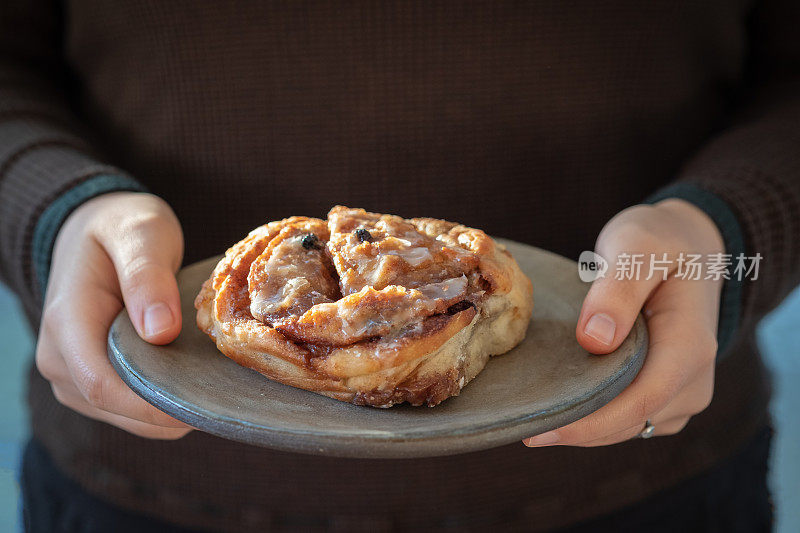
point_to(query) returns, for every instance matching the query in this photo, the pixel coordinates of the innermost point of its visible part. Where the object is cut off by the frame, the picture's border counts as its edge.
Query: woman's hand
(677, 379)
(117, 248)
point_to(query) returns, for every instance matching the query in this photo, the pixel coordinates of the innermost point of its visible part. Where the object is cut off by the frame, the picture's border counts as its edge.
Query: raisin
(457, 307)
(310, 241)
(363, 235)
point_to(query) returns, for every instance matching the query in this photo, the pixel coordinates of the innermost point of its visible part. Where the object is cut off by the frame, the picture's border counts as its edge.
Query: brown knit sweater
(535, 121)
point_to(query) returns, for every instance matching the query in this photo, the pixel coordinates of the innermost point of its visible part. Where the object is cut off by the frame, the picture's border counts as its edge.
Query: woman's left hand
(677, 379)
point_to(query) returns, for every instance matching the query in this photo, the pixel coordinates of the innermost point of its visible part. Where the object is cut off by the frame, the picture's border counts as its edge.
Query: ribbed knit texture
(536, 121)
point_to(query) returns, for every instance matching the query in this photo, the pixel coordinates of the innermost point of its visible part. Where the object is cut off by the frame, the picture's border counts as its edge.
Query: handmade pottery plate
(544, 383)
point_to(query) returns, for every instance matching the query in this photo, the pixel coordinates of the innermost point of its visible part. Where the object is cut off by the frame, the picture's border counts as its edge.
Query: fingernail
(157, 318)
(601, 327)
(551, 437)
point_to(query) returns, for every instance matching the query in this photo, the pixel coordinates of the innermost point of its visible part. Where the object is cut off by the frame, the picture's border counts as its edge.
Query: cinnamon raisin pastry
(366, 308)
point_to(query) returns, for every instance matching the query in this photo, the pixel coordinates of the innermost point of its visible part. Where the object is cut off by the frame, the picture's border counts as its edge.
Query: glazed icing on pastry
(368, 308)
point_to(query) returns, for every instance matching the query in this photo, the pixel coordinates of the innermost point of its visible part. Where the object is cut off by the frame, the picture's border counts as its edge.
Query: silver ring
(648, 431)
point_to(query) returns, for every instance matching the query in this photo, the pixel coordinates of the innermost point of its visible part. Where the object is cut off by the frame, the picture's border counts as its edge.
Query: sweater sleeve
(48, 165)
(747, 178)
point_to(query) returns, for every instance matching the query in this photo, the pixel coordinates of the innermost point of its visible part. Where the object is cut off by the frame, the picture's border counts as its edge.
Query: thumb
(614, 301)
(146, 256)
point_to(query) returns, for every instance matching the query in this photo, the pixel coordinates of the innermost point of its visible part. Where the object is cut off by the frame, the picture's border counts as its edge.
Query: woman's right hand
(118, 249)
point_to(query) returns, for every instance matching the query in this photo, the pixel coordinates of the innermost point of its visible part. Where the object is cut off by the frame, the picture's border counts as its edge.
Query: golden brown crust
(367, 308)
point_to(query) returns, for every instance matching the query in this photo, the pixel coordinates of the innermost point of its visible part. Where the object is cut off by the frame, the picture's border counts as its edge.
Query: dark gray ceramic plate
(545, 382)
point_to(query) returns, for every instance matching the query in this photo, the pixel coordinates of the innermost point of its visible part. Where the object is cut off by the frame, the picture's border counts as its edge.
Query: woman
(545, 122)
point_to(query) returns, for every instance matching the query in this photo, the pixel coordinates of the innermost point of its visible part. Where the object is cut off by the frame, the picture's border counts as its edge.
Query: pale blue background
(780, 339)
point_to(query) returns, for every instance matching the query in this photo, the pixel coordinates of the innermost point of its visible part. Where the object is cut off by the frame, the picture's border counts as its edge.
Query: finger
(47, 358)
(82, 346)
(70, 397)
(146, 252)
(680, 346)
(612, 305)
(662, 428)
(670, 427)
(692, 400)
(53, 368)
